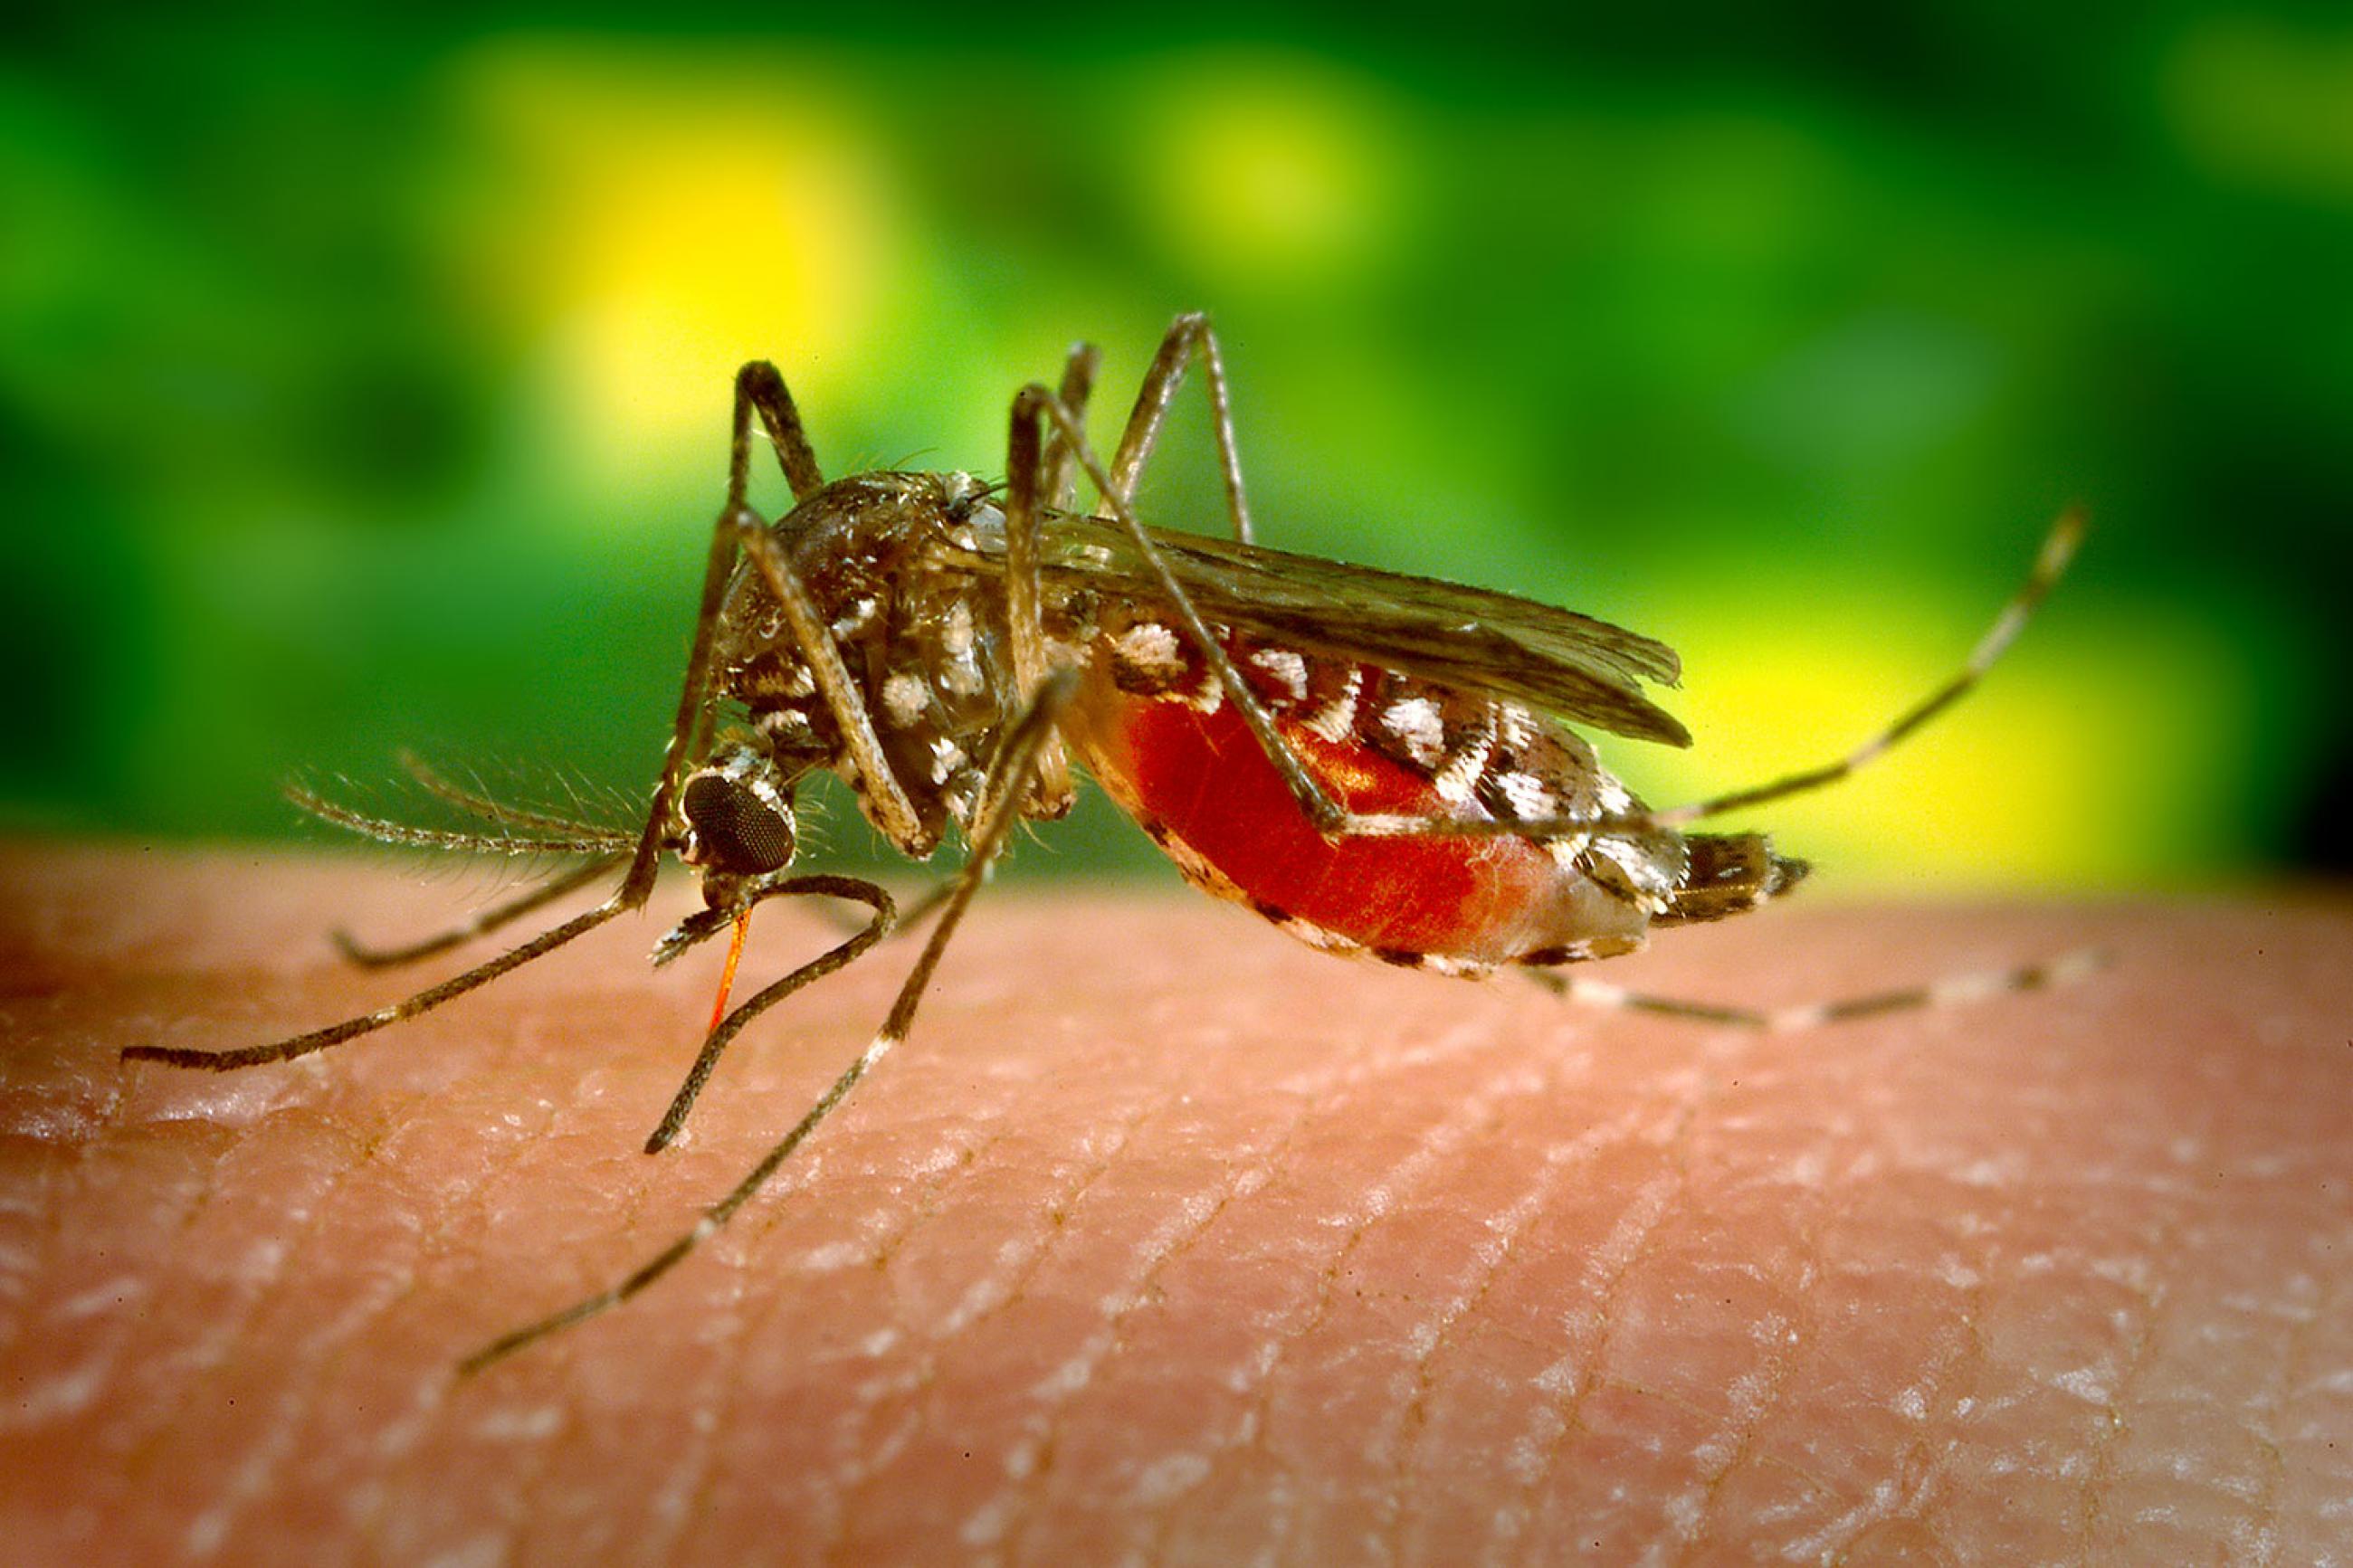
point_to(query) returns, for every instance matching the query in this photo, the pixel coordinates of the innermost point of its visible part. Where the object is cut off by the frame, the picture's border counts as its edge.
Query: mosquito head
(739, 819)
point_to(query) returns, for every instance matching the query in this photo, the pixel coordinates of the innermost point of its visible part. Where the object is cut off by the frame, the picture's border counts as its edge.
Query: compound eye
(741, 826)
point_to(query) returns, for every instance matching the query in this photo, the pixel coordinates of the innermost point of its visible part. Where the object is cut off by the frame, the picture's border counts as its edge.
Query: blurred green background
(363, 380)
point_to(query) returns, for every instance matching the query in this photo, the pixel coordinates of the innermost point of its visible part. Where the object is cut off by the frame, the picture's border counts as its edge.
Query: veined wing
(1554, 660)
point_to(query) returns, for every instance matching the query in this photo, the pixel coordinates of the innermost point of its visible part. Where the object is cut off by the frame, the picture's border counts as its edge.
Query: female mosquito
(1380, 764)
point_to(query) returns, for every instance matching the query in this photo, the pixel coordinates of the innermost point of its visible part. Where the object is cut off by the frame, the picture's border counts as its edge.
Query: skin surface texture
(1164, 1240)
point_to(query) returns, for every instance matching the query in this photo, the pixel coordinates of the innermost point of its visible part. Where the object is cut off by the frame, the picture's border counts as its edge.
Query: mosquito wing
(1554, 660)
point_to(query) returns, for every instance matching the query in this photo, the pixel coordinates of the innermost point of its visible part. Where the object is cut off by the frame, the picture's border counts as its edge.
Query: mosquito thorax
(888, 560)
(739, 816)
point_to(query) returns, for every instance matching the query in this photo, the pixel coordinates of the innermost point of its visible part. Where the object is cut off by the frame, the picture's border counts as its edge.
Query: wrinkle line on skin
(75, 1390)
(520, 1516)
(1920, 1502)
(988, 1522)
(210, 1528)
(2331, 1300)
(2266, 1423)
(1752, 1397)
(708, 1467)
(1967, 1377)
(1758, 1394)
(55, 1174)
(433, 1242)
(980, 1304)
(326, 1351)
(1501, 1252)
(2271, 1412)
(1473, 1112)
(2099, 1473)
(1628, 1242)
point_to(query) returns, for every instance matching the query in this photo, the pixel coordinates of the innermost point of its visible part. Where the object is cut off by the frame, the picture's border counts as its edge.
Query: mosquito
(1380, 764)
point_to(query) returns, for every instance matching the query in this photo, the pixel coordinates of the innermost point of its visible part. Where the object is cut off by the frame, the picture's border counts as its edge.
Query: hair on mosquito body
(1383, 766)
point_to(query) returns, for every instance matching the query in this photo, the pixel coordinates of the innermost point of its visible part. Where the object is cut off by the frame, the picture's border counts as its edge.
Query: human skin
(1167, 1239)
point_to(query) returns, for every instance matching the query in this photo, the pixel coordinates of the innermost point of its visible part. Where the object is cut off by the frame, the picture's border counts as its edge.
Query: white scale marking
(905, 698)
(1337, 719)
(1285, 667)
(1151, 649)
(1414, 720)
(1527, 795)
(1459, 778)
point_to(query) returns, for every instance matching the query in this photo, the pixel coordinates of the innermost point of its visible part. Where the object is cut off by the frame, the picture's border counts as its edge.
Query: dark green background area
(362, 383)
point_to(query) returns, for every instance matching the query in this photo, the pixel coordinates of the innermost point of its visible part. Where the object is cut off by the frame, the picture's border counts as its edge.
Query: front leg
(758, 390)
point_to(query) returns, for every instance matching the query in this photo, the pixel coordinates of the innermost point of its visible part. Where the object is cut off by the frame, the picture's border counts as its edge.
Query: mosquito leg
(1059, 483)
(1034, 403)
(899, 819)
(876, 928)
(433, 996)
(1189, 335)
(481, 922)
(2058, 548)
(1011, 763)
(758, 388)
(1951, 991)
(2050, 562)
(484, 921)
(1024, 590)
(911, 915)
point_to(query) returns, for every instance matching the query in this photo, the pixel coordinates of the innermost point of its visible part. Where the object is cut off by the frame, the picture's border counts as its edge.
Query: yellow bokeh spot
(1259, 169)
(2077, 764)
(659, 215)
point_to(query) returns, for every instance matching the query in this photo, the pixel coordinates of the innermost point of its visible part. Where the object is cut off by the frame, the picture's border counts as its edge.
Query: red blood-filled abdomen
(1202, 785)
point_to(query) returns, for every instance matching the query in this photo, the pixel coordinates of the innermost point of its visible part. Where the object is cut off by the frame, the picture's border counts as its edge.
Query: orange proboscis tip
(727, 976)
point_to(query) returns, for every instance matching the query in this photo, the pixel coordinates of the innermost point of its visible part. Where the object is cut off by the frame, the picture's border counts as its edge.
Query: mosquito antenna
(1014, 758)
(481, 805)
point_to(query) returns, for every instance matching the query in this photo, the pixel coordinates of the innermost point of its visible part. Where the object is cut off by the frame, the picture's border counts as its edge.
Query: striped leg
(484, 921)
(1951, 991)
(481, 922)
(1035, 405)
(1060, 477)
(1188, 336)
(2059, 548)
(707, 923)
(2051, 562)
(759, 394)
(1033, 480)
(1013, 761)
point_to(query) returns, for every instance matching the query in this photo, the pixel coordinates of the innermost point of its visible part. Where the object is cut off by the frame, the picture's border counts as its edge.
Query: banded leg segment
(2058, 547)
(1012, 763)
(484, 921)
(840, 955)
(1951, 991)
(1188, 336)
(1032, 479)
(2051, 562)
(1060, 480)
(481, 922)
(761, 392)
(1335, 821)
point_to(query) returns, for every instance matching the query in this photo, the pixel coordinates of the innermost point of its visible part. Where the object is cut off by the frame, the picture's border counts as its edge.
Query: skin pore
(1165, 1238)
